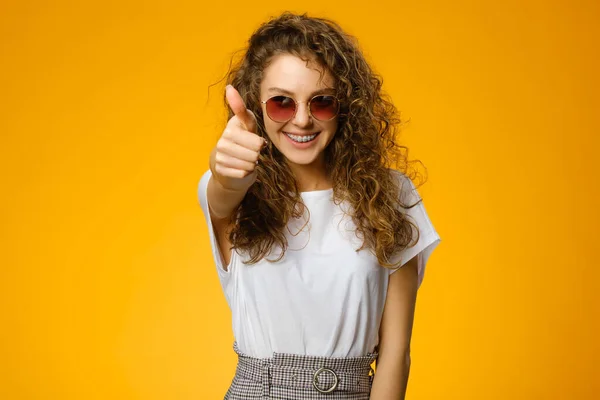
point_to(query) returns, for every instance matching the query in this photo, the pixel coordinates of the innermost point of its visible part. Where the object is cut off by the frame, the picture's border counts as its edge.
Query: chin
(300, 159)
(301, 156)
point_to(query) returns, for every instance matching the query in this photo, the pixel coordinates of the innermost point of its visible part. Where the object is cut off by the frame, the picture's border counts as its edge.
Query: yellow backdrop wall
(108, 289)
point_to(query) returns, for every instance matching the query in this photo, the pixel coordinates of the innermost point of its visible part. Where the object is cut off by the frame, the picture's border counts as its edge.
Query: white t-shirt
(322, 298)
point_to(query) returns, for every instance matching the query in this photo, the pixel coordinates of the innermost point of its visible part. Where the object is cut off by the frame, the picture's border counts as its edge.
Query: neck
(311, 177)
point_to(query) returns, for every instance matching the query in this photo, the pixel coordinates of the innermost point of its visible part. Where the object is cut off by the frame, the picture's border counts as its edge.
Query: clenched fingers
(228, 161)
(231, 172)
(244, 138)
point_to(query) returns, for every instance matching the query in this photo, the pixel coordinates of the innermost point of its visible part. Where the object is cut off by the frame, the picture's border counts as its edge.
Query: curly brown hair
(360, 158)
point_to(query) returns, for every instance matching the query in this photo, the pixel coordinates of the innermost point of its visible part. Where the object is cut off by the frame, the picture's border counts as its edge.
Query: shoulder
(407, 192)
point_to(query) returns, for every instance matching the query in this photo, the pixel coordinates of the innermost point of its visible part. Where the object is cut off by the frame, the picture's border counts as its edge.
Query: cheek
(270, 126)
(332, 127)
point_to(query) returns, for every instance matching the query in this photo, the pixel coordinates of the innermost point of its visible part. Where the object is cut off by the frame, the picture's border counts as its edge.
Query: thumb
(236, 103)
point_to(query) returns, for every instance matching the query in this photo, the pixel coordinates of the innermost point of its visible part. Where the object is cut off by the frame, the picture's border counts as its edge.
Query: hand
(236, 153)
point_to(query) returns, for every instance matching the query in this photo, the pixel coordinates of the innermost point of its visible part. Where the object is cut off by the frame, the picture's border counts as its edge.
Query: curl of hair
(360, 159)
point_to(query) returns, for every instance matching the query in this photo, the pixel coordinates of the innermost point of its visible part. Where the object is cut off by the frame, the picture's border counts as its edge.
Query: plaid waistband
(322, 374)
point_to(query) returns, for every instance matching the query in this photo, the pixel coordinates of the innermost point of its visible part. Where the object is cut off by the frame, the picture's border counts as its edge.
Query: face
(288, 75)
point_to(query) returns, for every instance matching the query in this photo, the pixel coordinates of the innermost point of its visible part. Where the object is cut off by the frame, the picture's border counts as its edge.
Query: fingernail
(228, 86)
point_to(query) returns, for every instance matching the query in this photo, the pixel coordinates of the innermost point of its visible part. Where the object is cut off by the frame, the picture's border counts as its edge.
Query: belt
(295, 371)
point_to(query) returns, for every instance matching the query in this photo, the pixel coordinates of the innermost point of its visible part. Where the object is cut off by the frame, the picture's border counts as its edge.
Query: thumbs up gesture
(236, 153)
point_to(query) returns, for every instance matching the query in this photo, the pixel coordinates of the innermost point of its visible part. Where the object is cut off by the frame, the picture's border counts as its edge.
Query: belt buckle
(316, 380)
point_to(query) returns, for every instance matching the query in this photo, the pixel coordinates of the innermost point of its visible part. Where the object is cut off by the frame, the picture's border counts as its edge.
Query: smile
(303, 138)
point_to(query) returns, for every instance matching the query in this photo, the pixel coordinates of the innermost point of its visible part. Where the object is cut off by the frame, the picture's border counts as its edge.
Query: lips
(302, 134)
(302, 140)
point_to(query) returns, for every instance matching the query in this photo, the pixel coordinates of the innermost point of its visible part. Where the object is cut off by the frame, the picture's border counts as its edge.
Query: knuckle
(234, 120)
(221, 144)
(239, 133)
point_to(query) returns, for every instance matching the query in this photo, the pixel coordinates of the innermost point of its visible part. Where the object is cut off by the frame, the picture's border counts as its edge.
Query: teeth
(301, 139)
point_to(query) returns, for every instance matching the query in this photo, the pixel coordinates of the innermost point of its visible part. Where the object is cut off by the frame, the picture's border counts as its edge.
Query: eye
(284, 101)
(323, 101)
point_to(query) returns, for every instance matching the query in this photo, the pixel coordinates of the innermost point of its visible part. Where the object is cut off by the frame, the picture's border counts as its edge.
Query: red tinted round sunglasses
(320, 107)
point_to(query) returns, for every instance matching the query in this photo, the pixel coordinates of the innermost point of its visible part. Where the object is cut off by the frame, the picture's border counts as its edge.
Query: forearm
(221, 201)
(391, 379)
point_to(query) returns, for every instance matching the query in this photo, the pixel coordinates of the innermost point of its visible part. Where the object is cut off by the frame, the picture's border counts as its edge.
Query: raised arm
(233, 166)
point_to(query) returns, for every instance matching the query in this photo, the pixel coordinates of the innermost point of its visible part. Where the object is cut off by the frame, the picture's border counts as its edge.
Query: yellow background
(108, 288)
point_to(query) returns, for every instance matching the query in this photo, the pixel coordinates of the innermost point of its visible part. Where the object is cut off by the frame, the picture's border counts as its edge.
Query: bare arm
(393, 364)
(221, 201)
(221, 204)
(233, 167)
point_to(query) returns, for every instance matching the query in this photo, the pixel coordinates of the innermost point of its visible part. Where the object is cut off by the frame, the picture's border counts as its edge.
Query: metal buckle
(316, 380)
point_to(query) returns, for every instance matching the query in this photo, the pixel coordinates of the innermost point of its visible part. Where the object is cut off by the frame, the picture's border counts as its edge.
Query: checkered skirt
(300, 377)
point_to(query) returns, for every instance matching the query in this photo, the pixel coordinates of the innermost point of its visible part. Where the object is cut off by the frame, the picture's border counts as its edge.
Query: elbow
(406, 367)
(395, 360)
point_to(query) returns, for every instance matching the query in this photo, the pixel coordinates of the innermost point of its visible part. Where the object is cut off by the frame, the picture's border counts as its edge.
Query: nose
(302, 118)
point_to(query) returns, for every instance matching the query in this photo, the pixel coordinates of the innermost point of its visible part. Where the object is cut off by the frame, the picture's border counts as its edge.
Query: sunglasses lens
(324, 108)
(281, 108)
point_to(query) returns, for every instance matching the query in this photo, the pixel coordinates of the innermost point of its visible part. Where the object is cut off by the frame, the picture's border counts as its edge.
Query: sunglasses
(283, 108)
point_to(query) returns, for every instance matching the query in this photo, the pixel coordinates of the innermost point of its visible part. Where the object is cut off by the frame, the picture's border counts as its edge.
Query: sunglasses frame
(308, 107)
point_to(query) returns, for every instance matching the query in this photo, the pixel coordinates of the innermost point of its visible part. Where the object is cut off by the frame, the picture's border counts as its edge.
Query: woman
(311, 214)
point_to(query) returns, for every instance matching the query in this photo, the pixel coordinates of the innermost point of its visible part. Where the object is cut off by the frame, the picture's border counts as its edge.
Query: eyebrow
(315, 93)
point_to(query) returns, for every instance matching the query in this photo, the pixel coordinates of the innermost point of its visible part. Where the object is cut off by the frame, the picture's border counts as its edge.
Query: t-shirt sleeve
(428, 236)
(223, 272)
